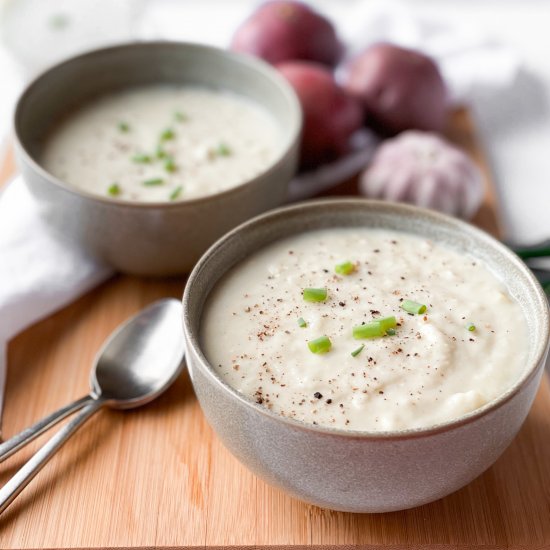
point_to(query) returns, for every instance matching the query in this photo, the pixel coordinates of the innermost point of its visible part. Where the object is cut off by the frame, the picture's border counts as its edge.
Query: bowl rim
(530, 372)
(290, 139)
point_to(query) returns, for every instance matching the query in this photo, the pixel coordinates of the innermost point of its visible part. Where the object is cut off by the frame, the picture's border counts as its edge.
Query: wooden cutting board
(158, 477)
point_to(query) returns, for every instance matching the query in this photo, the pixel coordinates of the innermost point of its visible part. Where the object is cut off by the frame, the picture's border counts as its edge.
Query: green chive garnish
(345, 268)
(123, 127)
(302, 323)
(375, 329)
(180, 117)
(170, 165)
(320, 345)
(357, 351)
(315, 294)
(387, 323)
(167, 135)
(369, 330)
(59, 21)
(153, 182)
(142, 159)
(176, 193)
(223, 150)
(160, 152)
(471, 327)
(114, 190)
(413, 307)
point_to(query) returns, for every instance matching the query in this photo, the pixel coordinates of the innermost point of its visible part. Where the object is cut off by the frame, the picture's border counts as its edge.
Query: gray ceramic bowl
(151, 238)
(350, 470)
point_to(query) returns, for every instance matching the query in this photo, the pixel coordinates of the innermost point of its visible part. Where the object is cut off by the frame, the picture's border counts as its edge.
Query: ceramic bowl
(151, 238)
(351, 470)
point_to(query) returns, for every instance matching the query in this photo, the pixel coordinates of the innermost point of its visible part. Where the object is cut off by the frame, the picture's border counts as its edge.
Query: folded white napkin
(38, 275)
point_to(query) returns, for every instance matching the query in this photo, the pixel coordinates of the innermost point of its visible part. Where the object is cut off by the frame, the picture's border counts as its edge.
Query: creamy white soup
(364, 330)
(163, 143)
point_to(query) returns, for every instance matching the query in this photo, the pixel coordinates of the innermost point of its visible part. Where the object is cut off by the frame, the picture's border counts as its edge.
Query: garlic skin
(422, 168)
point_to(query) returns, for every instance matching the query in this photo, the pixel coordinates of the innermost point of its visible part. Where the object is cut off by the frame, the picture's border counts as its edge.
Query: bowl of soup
(364, 356)
(145, 153)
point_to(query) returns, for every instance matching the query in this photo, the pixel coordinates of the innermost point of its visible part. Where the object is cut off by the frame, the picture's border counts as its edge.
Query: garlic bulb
(423, 169)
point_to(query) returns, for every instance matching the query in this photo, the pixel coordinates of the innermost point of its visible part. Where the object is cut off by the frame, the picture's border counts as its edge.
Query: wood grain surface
(159, 478)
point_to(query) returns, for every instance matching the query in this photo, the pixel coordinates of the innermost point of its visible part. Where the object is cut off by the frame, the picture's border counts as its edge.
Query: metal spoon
(137, 363)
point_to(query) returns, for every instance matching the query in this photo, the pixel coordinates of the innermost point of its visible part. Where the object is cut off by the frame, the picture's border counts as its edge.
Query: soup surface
(364, 330)
(163, 143)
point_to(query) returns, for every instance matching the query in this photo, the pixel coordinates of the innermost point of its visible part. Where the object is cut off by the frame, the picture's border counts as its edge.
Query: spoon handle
(27, 472)
(10, 446)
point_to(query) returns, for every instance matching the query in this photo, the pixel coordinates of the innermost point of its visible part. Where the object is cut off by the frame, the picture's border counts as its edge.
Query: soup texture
(366, 330)
(163, 143)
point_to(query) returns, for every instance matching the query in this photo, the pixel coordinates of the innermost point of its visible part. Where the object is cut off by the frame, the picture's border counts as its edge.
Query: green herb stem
(413, 307)
(223, 150)
(345, 268)
(176, 193)
(114, 190)
(142, 158)
(315, 294)
(387, 323)
(160, 152)
(369, 330)
(167, 135)
(153, 182)
(320, 345)
(170, 165)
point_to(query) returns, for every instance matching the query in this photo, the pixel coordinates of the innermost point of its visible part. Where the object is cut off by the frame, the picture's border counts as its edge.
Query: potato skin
(400, 89)
(282, 30)
(331, 116)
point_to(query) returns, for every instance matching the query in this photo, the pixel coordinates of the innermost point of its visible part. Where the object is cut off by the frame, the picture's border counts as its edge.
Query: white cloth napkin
(39, 275)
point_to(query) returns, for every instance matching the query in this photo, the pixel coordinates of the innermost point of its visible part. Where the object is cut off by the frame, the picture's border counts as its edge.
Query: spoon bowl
(141, 358)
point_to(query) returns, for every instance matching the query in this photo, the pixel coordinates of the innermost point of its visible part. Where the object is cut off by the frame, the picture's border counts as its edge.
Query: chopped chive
(167, 135)
(176, 193)
(223, 150)
(315, 294)
(345, 268)
(471, 327)
(59, 21)
(320, 345)
(160, 153)
(169, 164)
(179, 116)
(302, 323)
(123, 127)
(153, 182)
(357, 351)
(114, 190)
(413, 307)
(142, 159)
(373, 329)
(387, 323)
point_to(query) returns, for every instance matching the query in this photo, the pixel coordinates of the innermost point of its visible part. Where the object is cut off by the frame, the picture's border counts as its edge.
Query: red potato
(283, 30)
(400, 89)
(330, 115)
